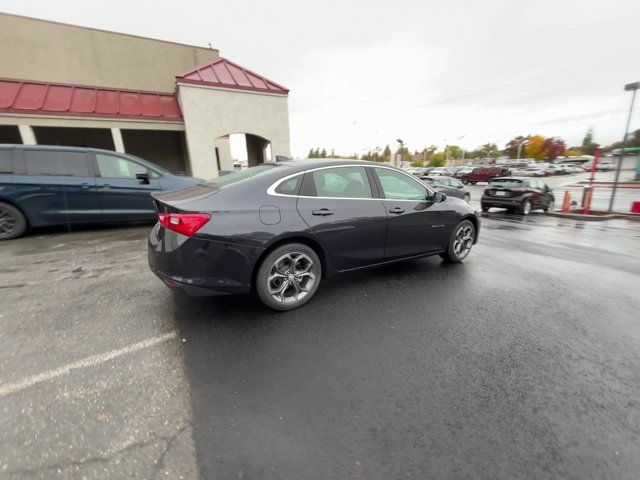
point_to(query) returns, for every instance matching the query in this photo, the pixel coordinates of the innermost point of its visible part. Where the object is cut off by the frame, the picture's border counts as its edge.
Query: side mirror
(438, 197)
(143, 178)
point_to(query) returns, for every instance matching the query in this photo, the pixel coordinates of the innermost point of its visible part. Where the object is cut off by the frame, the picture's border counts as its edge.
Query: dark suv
(51, 185)
(480, 174)
(517, 194)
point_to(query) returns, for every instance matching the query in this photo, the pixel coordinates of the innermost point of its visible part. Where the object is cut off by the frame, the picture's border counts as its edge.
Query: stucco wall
(34, 49)
(210, 113)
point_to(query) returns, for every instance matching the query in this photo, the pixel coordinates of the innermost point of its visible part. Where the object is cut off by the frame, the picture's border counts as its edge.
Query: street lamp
(629, 87)
(522, 143)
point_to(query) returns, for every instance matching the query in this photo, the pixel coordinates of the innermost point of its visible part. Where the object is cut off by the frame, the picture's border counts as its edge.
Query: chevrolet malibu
(281, 228)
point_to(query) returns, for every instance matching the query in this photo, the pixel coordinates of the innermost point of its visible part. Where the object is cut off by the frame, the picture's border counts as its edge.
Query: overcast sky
(364, 73)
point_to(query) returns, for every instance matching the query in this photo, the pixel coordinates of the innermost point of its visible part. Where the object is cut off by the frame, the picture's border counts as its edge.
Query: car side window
(291, 186)
(56, 163)
(455, 183)
(111, 166)
(342, 182)
(398, 186)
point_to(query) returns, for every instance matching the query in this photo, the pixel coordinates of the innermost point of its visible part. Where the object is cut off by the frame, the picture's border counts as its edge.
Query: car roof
(60, 147)
(310, 163)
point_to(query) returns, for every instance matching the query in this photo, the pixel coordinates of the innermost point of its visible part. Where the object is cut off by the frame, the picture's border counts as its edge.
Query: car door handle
(323, 212)
(84, 185)
(106, 185)
(396, 211)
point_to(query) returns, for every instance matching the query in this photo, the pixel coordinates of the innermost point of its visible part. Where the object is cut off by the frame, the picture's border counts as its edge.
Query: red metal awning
(21, 96)
(224, 73)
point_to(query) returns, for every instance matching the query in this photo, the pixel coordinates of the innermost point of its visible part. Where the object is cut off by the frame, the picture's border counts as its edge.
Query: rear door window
(6, 160)
(111, 166)
(57, 163)
(340, 182)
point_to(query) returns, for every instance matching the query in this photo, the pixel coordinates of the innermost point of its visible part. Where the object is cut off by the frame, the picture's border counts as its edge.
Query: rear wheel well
(304, 240)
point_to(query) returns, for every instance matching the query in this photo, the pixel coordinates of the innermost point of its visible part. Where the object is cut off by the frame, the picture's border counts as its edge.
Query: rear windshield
(506, 182)
(239, 176)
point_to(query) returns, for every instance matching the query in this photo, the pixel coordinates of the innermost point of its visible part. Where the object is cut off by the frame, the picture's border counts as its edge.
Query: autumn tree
(535, 147)
(553, 147)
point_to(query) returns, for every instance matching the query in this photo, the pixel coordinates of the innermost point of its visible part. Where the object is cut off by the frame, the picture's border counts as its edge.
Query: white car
(438, 171)
(534, 172)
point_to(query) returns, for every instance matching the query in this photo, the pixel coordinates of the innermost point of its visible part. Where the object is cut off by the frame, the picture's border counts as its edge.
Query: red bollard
(567, 201)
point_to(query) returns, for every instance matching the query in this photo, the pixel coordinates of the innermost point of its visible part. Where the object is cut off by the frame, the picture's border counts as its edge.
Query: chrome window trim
(272, 189)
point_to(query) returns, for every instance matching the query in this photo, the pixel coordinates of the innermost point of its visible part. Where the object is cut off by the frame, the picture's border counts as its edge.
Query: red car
(480, 174)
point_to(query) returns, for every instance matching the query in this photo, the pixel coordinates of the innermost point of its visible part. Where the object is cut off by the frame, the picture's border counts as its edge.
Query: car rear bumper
(200, 266)
(501, 202)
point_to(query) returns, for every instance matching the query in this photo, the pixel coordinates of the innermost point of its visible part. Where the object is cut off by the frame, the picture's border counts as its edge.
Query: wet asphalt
(521, 362)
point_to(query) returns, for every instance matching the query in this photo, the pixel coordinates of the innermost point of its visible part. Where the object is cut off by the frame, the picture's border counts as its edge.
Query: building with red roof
(173, 104)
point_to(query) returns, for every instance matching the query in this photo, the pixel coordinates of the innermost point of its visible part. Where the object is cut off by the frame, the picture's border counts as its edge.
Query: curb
(595, 218)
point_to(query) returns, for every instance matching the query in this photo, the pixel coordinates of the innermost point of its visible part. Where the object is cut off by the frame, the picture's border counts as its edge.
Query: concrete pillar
(117, 140)
(27, 134)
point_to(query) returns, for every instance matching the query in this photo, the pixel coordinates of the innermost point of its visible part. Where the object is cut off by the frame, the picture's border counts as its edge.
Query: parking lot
(519, 362)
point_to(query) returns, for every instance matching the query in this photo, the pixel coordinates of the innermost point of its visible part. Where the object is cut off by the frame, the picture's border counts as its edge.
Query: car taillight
(183, 223)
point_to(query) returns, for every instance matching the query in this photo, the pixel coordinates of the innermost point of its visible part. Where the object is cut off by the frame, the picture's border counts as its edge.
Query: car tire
(465, 180)
(12, 222)
(279, 287)
(460, 242)
(549, 206)
(525, 208)
(485, 208)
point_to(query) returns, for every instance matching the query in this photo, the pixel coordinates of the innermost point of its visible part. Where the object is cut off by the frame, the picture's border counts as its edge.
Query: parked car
(438, 171)
(517, 194)
(451, 186)
(450, 171)
(52, 185)
(601, 167)
(474, 175)
(557, 169)
(282, 227)
(534, 172)
(571, 168)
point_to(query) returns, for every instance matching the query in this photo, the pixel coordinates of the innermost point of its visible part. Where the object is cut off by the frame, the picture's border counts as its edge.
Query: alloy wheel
(291, 277)
(526, 207)
(463, 241)
(7, 222)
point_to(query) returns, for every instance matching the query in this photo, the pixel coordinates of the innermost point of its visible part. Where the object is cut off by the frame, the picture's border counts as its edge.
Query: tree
(489, 150)
(437, 159)
(323, 153)
(570, 152)
(386, 154)
(310, 154)
(535, 147)
(588, 145)
(553, 147)
(511, 148)
(454, 151)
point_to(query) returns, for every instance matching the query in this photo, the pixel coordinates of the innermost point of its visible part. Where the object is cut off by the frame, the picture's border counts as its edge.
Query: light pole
(520, 148)
(629, 87)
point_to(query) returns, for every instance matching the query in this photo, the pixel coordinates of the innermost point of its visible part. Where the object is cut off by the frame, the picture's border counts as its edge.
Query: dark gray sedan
(281, 228)
(448, 185)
